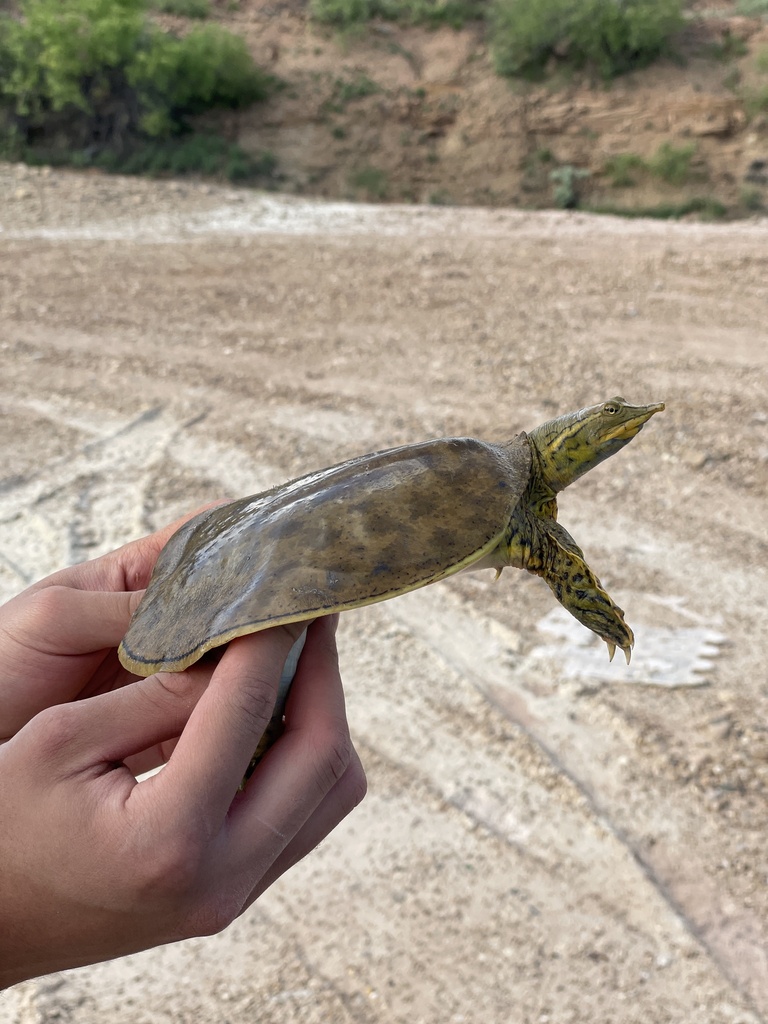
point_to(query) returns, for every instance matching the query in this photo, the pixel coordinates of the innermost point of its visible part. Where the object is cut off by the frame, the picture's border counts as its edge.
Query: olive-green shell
(368, 529)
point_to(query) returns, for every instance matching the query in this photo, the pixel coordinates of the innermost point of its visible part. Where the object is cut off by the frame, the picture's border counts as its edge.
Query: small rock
(694, 459)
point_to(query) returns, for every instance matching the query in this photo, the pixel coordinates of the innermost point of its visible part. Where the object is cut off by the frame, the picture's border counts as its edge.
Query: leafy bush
(705, 207)
(183, 8)
(620, 168)
(193, 154)
(343, 13)
(98, 74)
(177, 78)
(346, 90)
(751, 8)
(565, 179)
(612, 36)
(756, 101)
(673, 163)
(371, 180)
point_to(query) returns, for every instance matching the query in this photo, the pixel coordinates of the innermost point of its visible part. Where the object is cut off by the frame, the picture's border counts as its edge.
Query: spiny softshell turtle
(378, 526)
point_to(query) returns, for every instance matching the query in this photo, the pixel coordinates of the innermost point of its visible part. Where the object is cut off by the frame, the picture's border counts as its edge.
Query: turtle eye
(611, 408)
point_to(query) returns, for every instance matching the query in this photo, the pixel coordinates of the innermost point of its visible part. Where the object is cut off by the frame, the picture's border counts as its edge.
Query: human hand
(97, 865)
(58, 638)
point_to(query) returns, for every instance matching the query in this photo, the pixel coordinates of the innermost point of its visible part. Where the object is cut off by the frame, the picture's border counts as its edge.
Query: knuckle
(213, 912)
(47, 603)
(333, 755)
(55, 730)
(254, 701)
(175, 685)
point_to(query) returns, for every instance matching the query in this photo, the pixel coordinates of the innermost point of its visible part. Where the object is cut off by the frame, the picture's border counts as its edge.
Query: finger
(348, 792)
(153, 712)
(212, 754)
(305, 764)
(52, 640)
(63, 621)
(111, 728)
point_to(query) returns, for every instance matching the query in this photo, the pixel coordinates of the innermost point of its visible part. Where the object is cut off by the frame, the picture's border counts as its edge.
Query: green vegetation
(347, 90)
(94, 82)
(565, 180)
(751, 199)
(752, 8)
(730, 47)
(370, 180)
(194, 154)
(673, 164)
(620, 169)
(707, 208)
(183, 8)
(345, 13)
(755, 97)
(756, 101)
(608, 36)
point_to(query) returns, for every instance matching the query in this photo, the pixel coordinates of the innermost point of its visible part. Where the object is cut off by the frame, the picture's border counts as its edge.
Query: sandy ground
(547, 838)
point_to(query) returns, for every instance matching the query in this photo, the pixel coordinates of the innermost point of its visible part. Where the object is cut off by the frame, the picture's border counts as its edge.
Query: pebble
(694, 459)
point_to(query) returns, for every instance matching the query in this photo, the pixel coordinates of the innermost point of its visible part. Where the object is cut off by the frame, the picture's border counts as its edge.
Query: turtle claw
(612, 650)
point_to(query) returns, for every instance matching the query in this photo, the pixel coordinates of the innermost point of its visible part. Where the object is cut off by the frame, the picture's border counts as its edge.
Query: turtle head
(571, 445)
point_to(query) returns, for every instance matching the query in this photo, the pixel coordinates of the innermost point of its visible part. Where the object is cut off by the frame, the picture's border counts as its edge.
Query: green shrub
(74, 56)
(613, 36)
(343, 13)
(97, 74)
(752, 8)
(347, 89)
(565, 179)
(673, 164)
(177, 78)
(183, 8)
(371, 180)
(620, 169)
(729, 47)
(756, 101)
(193, 154)
(705, 207)
(751, 198)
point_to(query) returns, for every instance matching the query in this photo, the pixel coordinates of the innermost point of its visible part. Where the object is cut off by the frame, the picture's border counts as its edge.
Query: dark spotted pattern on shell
(365, 530)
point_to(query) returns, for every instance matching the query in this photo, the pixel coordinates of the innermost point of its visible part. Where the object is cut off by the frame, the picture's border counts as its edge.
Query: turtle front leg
(579, 591)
